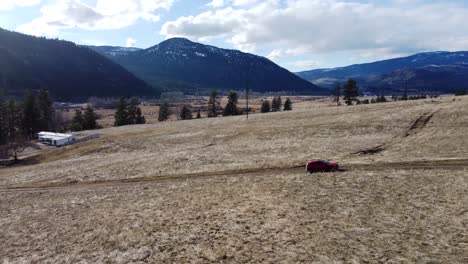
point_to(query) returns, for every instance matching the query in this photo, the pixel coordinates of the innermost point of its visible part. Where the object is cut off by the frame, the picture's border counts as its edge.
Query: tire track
(453, 164)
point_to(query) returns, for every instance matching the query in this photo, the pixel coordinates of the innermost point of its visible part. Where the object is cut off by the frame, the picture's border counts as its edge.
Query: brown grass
(410, 211)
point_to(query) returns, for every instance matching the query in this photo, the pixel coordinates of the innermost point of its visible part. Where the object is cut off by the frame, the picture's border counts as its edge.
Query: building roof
(53, 136)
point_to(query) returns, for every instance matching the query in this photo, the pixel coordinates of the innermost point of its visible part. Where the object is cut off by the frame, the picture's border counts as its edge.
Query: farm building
(56, 139)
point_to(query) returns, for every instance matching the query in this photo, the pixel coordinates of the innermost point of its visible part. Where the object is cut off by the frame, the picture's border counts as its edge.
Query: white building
(56, 139)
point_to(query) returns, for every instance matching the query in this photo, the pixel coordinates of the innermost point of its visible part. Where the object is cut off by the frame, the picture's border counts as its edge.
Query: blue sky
(296, 34)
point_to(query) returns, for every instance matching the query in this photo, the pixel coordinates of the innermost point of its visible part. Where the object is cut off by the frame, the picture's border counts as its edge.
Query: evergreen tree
(135, 115)
(231, 107)
(140, 119)
(276, 104)
(350, 91)
(381, 99)
(89, 118)
(31, 116)
(121, 114)
(185, 113)
(164, 112)
(287, 105)
(46, 110)
(11, 120)
(78, 121)
(213, 105)
(2, 127)
(132, 111)
(198, 114)
(266, 107)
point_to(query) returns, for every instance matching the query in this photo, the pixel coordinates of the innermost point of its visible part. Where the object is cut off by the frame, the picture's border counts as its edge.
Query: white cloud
(298, 27)
(304, 64)
(130, 42)
(221, 3)
(216, 3)
(6, 5)
(105, 14)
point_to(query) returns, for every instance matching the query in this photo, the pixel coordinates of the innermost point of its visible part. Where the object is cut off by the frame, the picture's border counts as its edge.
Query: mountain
(425, 79)
(68, 71)
(111, 51)
(180, 64)
(430, 71)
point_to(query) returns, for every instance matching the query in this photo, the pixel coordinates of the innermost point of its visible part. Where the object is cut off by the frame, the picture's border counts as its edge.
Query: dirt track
(454, 164)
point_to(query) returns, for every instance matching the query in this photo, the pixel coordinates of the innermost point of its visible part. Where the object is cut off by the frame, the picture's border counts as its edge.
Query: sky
(297, 34)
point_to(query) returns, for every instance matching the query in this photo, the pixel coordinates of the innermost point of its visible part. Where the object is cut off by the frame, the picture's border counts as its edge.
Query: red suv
(321, 165)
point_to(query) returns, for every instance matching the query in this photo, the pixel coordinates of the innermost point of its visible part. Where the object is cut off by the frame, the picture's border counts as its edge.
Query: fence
(89, 137)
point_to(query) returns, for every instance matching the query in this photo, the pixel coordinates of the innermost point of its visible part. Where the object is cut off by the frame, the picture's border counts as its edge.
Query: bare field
(230, 190)
(314, 130)
(393, 216)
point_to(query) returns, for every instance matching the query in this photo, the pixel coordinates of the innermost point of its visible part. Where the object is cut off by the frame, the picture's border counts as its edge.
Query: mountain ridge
(204, 67)
(67, 70)
(375, 76)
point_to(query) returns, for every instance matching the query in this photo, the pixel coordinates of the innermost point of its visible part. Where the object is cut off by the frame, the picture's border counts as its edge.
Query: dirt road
(452, 164)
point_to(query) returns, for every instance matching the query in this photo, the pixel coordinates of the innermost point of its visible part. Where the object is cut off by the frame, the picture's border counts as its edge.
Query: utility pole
(405, 96)
(247, 97)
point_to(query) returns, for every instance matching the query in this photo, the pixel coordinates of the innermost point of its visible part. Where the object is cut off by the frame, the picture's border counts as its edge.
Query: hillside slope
(68, 71)
(420, 70)
(188, 66)
(231, 190)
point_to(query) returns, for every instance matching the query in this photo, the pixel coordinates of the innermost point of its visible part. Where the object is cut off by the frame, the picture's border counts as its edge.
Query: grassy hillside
(235, 190)
(68, 71)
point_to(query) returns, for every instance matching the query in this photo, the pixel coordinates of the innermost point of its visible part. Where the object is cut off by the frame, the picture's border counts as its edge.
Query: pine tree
(231, 107)
(276, 104)
(140, 119)
(164, 112)
(12, 120)
(89, 118)
(132, 111)
(213, 105)
(77, 122)
(266, 107)
(198, 114)
(2, 127)
(287, 105)
(5, 122)
(350, 91)
(121, 114)
(31, 116)
(46, 110)
(185, 113)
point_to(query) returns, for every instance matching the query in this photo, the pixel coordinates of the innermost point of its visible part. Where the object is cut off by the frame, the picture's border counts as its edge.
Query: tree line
(24, 119)
(350, 93)
(275, 105)
(20, 121)
(231, 108)
(128, 113)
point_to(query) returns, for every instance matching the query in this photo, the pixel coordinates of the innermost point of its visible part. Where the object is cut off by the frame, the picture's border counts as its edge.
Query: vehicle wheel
(310, 171)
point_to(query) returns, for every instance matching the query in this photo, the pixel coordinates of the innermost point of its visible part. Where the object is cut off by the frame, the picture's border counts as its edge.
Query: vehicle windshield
(325, 161)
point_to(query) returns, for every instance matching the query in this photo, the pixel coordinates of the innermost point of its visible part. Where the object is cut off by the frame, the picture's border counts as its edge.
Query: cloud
(221, 3)
(304, 64)
(104, 15)
(216, 3)
(6, 5)
(298, 27)
(130, 42)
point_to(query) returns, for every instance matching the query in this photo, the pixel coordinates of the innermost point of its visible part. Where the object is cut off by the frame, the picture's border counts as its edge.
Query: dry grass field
(231, 190)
